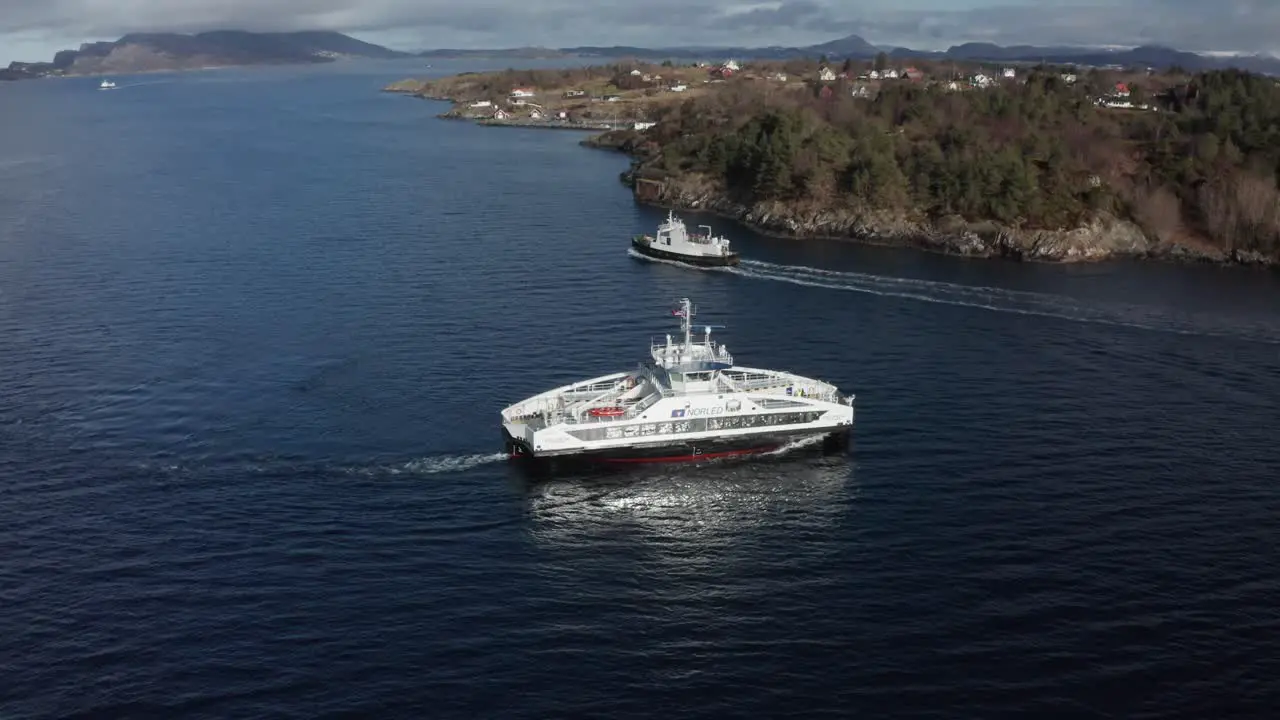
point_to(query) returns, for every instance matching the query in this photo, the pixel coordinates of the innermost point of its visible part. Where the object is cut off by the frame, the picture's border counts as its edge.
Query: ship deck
(634, 392)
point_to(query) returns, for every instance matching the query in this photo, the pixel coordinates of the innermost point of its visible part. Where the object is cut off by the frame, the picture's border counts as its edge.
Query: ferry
(107, 85)
(688, 402)
(675, 242)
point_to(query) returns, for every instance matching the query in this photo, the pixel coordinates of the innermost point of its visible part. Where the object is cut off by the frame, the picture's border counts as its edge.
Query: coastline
(1103, 237)
(1106, 238)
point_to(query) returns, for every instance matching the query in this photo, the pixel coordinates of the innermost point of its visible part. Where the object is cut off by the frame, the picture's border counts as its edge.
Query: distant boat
(107, 85)
(674, 242)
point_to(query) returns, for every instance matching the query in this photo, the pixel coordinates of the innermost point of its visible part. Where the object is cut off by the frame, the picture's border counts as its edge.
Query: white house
(481, 104)
(522, 92)
(1069, 78)
(825, 75)
(874, 74)
(679, 88)
(731, 65)
(635, 73)
(890, 74)
(535, 114)
(642, 125)
(981, 80)
(500, 114)
(1009, 73)
(860, 91)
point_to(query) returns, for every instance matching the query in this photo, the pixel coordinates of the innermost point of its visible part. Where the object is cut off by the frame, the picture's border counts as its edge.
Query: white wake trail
(1001, 300)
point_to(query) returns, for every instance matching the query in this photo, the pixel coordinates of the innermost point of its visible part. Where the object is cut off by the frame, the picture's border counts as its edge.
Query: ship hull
(683, 451)
(649, 250)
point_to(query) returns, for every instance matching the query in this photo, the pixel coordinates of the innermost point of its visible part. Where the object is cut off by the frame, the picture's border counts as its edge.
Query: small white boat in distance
(107, 85)
(674, 242)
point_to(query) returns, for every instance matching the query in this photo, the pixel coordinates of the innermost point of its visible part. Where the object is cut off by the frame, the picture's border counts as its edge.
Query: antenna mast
(686, 322)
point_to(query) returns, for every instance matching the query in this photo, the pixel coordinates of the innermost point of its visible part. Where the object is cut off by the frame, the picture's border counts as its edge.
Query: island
(155, 52)
(1029, 162)
(610, 97)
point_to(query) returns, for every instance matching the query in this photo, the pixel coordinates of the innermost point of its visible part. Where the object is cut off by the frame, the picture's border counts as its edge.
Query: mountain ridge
(856, 47)
(152, 52)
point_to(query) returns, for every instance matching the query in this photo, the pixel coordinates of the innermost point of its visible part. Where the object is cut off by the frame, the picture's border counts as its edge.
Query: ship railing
(701, 349)
(801, 387)
(592, 389)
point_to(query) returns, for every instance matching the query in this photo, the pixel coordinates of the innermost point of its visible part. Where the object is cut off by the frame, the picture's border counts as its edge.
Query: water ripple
(256, 327)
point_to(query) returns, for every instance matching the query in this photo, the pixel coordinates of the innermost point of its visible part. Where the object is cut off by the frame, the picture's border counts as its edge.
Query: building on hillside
(825, 75)
(522, 92)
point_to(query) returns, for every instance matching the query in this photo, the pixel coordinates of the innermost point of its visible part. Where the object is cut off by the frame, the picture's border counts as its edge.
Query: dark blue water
(255, 331)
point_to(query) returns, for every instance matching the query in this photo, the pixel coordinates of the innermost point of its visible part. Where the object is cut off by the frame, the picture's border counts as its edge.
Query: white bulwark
(689, 402)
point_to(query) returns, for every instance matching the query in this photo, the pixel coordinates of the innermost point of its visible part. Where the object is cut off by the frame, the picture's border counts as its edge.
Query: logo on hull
(696, 412)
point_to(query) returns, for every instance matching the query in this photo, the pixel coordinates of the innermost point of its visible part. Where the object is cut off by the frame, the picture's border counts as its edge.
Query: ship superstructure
(690, 401)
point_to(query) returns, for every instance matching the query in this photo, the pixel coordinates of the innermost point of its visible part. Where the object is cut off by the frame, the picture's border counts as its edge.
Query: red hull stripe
(689, 458)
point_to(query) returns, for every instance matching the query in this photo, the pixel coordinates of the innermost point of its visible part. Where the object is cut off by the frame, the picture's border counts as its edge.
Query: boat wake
(796, 445)
(445, 464)
(437, 465)
(1001, 300)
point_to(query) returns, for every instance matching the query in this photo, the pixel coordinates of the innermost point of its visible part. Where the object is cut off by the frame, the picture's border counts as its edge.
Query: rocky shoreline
(1104, 238)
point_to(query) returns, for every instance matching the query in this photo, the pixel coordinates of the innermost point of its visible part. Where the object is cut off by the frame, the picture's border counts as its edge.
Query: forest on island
(1202, 164)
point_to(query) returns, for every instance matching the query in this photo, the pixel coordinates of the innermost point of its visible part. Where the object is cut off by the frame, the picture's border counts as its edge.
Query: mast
(686, 324)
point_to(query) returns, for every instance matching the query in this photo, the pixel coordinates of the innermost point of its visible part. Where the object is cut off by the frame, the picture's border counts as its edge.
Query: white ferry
(106, 85)
(689, 403)
(674, 242)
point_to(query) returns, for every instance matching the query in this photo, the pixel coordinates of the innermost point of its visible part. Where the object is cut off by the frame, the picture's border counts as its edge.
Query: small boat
(674, 242)
(107, 85)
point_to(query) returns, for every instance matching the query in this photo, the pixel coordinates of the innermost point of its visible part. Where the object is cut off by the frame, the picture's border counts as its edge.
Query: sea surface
(255, 330)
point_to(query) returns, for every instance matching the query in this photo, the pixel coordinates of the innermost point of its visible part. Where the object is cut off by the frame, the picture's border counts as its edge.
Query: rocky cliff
(1104, 237)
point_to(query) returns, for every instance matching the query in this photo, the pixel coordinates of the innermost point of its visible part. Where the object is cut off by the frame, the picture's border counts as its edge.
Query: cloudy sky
(34, 29)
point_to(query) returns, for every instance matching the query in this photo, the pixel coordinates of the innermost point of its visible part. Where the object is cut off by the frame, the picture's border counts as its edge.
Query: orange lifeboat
(606, 411)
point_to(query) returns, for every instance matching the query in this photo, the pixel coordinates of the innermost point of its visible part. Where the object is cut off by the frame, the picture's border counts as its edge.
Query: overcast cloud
(34, 29)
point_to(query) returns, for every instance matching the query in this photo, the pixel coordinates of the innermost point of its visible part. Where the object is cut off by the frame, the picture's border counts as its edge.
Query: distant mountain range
(149, 52)
(856, 47)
